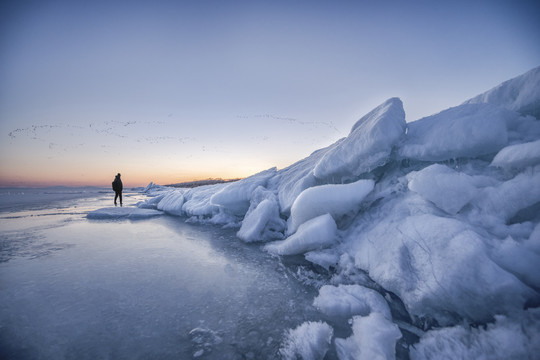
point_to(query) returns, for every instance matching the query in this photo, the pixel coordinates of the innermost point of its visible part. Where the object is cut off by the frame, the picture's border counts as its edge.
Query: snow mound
(131, 213)
(336, 200)
(349, 300)
(314, 234)
(506, 338)
(368, 146)
(521, 94)
(469, 130)
(374, 337)
(518, 156)
(311, 340)
(446, 188)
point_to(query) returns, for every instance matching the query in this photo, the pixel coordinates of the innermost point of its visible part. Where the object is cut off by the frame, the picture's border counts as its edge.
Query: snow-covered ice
(128, 212)
(314, 234)
(469, 130)
(235, 197)
(262, 221)
(367, 147)
(374, 338)
(446, 188)
(506, 338)
(518, 156)
(520, 94)
(431, 262)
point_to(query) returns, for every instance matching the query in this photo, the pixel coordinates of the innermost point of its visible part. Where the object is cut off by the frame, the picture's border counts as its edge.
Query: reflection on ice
(155, 288)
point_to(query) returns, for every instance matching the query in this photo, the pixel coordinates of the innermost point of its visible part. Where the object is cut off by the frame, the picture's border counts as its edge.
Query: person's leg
(116, 197)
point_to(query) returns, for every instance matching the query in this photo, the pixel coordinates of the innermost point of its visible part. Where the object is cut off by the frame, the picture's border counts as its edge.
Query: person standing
(117, 187)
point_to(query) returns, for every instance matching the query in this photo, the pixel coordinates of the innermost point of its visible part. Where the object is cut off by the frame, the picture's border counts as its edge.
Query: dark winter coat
(117, 184)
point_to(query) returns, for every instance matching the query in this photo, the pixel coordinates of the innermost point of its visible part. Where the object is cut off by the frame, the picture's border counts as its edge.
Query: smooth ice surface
(120, 212)
(310, 340)
(468, 130)
(368, 146)
(336, 200)
(374, 338)
(314, 234)
(16, 198)
(350, 300)
(153, 288)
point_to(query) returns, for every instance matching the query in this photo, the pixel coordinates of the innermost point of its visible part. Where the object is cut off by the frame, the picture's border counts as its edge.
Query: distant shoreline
(192, 184)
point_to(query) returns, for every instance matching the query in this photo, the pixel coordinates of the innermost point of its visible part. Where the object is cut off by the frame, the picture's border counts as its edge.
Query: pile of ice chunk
(368, 146)
(314, 234)
(442, 214)
(336, 200)
(374, 337)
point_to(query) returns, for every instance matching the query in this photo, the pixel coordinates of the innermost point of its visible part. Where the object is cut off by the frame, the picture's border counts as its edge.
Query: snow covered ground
(439, 216)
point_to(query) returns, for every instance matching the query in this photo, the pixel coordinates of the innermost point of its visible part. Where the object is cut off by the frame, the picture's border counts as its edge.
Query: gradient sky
(168, 91)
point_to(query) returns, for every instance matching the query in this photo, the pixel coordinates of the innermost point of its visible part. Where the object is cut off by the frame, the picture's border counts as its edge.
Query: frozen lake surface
(155, 288)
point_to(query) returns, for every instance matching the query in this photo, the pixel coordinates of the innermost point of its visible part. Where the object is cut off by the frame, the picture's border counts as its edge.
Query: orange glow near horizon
(131, 177)
(129, 180)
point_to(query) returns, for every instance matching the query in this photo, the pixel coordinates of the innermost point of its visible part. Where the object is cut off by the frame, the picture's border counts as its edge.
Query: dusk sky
(169, 91)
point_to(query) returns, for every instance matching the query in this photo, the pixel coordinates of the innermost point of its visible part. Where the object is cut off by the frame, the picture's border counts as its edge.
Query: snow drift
(441, 216)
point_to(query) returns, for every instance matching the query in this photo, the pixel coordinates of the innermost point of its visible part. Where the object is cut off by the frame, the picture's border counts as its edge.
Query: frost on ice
(442, 212)
(310, 340)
